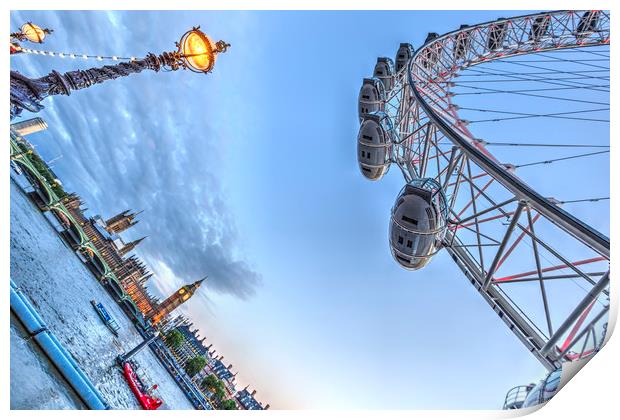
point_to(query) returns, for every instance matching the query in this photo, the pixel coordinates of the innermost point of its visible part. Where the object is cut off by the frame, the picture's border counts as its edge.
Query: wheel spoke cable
(588, 87)
(489, 90)
(517, 63)
(584, 200)
(542, 79)
(522, 115)
(517, 76)
(498, 143)
(545, 162)
(582, 62)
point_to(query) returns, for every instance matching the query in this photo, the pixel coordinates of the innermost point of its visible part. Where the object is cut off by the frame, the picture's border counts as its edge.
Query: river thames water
(60, 288)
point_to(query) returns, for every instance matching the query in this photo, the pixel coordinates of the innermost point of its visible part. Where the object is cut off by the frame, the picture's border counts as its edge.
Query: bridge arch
(131, 306)
(116, 287)
(40, 185)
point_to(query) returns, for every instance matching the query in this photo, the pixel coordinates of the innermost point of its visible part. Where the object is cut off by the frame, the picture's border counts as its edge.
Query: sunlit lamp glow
(197, 50)
(33, 32)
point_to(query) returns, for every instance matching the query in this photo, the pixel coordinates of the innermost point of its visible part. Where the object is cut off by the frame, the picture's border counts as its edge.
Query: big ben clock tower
(174, 301)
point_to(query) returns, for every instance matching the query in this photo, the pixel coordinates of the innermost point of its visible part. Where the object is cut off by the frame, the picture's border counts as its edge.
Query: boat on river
(106, 317)
(139, 389)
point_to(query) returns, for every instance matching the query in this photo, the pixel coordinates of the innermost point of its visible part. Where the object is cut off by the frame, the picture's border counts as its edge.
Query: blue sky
(249, 175)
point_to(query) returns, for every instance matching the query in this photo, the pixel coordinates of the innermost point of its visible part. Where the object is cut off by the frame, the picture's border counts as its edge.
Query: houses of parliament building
(131, 272)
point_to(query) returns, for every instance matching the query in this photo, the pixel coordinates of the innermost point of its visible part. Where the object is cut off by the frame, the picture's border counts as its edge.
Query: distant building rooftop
(25, 127)
(247, 400)
(220, 370)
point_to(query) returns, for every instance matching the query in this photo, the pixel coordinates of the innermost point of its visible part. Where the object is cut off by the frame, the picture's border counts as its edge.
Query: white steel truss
(504, 235)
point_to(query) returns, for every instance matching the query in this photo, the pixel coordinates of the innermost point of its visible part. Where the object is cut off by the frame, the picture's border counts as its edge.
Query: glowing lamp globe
(32, 32)
(197, 51)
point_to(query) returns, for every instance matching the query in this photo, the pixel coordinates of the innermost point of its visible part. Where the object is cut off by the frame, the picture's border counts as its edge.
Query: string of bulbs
(75, 56)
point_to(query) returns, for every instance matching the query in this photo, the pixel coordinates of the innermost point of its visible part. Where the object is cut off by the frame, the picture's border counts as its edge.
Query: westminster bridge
(51, 200)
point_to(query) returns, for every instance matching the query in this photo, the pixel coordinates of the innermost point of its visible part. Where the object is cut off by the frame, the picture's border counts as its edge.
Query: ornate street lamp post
(195, 52)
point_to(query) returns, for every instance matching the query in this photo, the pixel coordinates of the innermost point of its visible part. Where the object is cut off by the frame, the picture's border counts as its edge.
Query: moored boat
(106, 317)
(148, 402)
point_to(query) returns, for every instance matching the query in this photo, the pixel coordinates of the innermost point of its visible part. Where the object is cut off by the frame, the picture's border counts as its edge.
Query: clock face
(181, 291)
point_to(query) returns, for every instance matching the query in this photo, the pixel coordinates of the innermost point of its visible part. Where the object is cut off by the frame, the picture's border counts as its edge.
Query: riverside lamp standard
(195, 52)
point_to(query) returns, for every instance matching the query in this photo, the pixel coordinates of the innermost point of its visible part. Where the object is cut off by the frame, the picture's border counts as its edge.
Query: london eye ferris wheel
(466, 118)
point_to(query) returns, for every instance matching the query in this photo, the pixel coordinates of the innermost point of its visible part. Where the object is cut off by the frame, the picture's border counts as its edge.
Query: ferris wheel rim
(582, 231)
